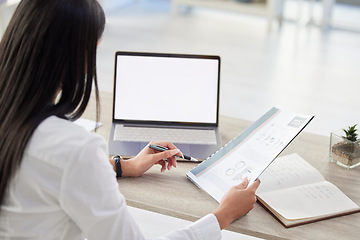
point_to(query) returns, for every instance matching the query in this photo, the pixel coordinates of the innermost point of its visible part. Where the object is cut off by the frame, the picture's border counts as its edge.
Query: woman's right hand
(148, 157)
(237, 202)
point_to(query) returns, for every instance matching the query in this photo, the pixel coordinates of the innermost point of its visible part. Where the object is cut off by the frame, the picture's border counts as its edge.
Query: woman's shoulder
(57, 138)
(58, 129)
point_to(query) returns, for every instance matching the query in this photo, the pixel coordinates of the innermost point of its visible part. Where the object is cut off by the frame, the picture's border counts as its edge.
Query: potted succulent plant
(345, 150)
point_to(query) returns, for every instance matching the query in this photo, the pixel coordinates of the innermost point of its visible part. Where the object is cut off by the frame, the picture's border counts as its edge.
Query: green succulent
(351, 133)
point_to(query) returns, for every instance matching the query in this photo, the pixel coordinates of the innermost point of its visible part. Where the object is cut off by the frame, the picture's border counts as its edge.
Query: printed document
(250, 153)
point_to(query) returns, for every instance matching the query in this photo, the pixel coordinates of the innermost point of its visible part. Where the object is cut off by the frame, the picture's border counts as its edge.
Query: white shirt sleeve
(204, 229)
(89, 194)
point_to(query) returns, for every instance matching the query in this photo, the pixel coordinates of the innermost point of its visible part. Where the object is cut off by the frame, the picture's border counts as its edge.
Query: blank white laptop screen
(170, 89)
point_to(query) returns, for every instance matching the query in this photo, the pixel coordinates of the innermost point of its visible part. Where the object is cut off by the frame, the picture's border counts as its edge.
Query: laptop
(165, 97)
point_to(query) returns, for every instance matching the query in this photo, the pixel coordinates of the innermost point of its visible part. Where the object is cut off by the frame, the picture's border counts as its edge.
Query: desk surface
(171, 193)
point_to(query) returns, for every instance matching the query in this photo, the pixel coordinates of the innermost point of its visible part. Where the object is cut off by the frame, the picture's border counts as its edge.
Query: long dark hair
(48, 45)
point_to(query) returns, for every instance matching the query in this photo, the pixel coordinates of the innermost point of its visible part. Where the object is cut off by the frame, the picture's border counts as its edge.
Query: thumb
(255, 184)
(166, 154)
(244, 183)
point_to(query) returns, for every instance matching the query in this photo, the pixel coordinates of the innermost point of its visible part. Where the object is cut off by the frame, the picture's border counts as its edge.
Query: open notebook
(296, 193)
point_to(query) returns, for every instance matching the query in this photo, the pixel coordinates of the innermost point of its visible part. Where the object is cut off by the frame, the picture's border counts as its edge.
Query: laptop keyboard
(147, 134)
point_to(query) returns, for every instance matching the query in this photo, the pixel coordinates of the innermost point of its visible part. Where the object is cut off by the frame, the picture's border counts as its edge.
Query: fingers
(171, 162)
(254, 185)
(168, 145)
(243, 184)
(169, 155)
(163, 165)
(166, 154)
(237, 202)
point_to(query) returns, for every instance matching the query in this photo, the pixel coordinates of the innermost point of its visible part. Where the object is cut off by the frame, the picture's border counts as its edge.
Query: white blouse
(66, 189)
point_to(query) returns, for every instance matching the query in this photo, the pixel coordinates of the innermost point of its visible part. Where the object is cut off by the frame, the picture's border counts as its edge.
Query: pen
(162, 148)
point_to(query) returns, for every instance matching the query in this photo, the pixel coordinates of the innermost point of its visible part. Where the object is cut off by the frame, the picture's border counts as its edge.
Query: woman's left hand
(148, 157)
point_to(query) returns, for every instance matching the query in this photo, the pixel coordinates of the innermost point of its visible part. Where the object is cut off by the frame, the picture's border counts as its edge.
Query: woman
(56, 180)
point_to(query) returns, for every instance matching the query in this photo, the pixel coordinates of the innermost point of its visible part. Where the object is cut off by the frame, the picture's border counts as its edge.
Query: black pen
(162, 148)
